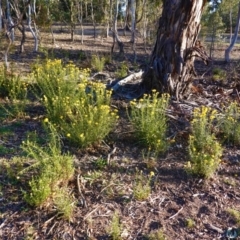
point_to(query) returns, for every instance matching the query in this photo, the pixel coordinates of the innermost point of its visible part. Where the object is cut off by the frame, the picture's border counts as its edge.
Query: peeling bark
(172, 61)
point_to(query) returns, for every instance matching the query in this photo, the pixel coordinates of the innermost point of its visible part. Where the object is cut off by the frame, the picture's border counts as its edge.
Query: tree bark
(171, 67)
(115, 32)
(234, 38)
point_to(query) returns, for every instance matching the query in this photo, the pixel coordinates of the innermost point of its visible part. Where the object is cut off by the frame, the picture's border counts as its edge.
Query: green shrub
(79, 108)
(236, 214)
(51, 170)
(204, 149)
(11, 86)
(190, 223)
(218, 74)
(14, 92)
(64, 203)
(97, 63)
(142, 186)
(115, 228)
(149, 120)
(156, 235)
(229, 123)
(122, 71)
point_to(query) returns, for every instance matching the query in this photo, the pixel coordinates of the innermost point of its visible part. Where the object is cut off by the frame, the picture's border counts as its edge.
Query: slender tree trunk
(171, 66)
(10, 24)
(234, 38)
(230, 19)
(22, 29)
(93, 20)
(52, 33)
(115, 32)
(133, 24)
(33, 31)
(80, 18)
(1, 17)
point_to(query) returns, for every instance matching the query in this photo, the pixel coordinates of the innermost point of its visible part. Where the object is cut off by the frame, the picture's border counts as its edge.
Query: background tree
(234, 39)
(171, 65)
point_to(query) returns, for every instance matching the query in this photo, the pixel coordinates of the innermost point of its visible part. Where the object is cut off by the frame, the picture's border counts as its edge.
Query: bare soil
(175, 196)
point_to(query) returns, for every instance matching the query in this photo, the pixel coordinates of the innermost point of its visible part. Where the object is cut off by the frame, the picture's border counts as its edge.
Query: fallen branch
(128, 79)
(176, 213)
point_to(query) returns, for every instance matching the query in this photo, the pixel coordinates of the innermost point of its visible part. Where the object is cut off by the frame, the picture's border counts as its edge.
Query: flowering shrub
(80, 109)
(11, 86)
(229, 123)
(204, 150)
(149, 119)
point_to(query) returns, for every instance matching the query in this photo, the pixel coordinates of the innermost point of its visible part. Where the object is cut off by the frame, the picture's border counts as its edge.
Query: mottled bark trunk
(115, 32)
(172, 61)
(22, 29)
(234, 38)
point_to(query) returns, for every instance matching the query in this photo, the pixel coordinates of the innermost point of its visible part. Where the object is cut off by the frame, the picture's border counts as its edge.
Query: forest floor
(180, 205)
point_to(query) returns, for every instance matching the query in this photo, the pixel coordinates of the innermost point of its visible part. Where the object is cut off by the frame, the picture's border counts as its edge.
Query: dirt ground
(175, 196)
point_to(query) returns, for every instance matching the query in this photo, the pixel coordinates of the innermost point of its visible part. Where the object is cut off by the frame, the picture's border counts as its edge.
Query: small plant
(204, 150)
(122, 71)
(229, 123)
(156, 235)
(93, 176)
(51, 170)
(190, 223)
(236, 214)
(64, 203)
(30, 232)
(218, 74)
(100, 163)
(12, 86)
(115, 228)
(14, 92)
(142, 186)
(97, 63)
(150, 122)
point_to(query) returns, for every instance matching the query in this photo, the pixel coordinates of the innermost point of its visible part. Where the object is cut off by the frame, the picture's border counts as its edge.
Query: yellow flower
(68, 135)
(46, 120)
(152, 174)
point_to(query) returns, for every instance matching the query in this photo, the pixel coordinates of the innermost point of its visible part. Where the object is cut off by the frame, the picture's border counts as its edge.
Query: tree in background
(171, 65)
(234, 38)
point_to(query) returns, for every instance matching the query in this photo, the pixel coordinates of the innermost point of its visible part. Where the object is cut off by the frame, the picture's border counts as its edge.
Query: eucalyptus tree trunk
(10, 24)
(115, 32)
(80, 17)
(234, 38)
(133, 24)
(230, 20)
(33, 30)
(1, 17)
(93, 19)
(171, 67)
(21, 28)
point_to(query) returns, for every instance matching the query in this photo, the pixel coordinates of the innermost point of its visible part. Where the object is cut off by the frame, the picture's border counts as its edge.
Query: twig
(3, 223)
(176, 213)
(238, 94)
(127, 79)
(198, 194)
(87, 215)
(110, 154)
(49, 220)
(80, 192)
(51, 228)
(212, 227)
